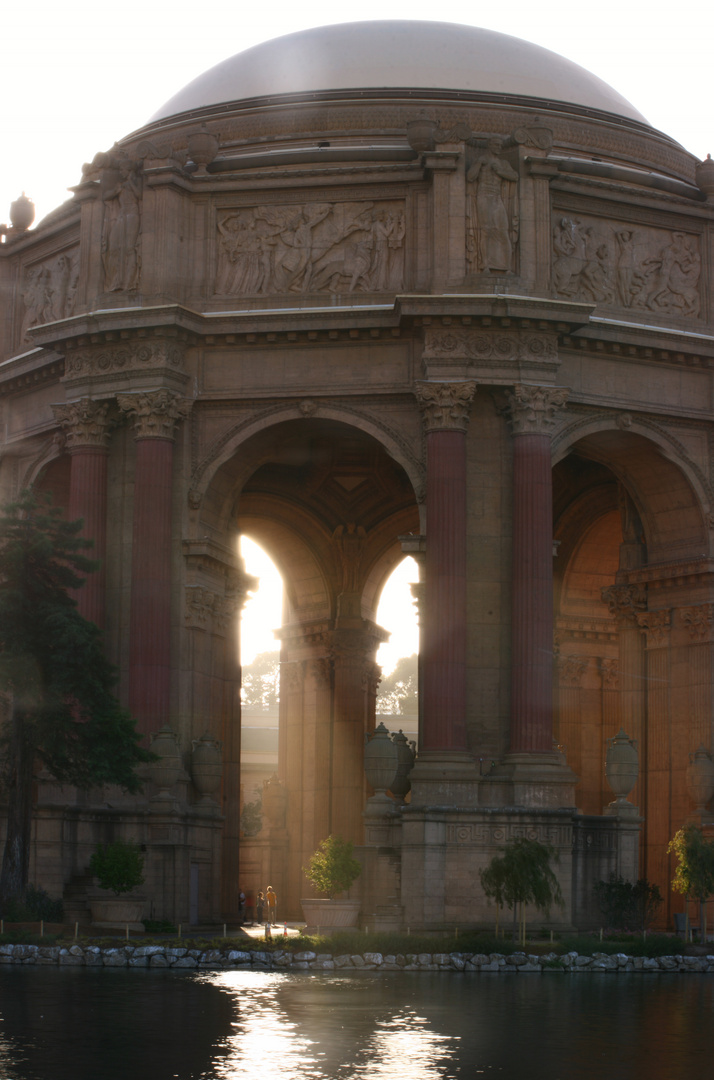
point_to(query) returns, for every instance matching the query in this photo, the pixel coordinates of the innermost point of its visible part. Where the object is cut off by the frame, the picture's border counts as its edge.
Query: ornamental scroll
(314, 247)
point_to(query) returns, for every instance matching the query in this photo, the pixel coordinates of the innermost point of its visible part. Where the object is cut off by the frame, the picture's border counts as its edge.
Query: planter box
(327, 916)
(117, 912)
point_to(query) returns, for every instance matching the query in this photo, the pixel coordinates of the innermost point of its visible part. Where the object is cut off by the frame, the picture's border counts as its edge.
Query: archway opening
(398, 694)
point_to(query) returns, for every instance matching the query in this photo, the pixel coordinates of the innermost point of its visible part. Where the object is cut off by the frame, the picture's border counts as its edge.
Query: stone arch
(250, 430)
(670, 493)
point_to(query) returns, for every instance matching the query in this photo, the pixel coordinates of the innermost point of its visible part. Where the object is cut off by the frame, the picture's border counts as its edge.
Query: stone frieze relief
(643, 269)
(315, 247)
(49, 290)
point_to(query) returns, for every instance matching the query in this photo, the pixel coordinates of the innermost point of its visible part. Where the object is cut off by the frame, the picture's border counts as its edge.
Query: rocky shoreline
(162, 956)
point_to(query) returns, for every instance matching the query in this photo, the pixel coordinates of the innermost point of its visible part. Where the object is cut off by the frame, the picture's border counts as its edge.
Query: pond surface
(114, 1024)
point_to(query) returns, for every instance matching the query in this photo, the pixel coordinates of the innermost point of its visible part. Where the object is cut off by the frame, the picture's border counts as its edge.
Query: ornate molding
(445, 406)
(292, 676)
(495, 346)
(209, 610)
(109, 360)
(698, 621)
(625, 602)
(86, 423)
(656, 625)
(155, 414)
(321, 670)
(532, 408)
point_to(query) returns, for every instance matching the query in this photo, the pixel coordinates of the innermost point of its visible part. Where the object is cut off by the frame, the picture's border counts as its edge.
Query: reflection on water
(113, 1024)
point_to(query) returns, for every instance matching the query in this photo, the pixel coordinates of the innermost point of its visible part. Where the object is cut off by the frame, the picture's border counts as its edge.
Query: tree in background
(60, 709)
(398, 691)
(627, 905)
(694, 876)
(522, 875)
(260, 682)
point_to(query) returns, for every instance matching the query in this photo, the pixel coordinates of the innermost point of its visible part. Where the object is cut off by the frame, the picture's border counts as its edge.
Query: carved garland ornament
(656, 625)
(445, 406)
(489, 345)
(124, 358)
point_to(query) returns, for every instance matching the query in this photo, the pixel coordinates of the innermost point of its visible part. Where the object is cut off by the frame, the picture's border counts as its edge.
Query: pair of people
(269, 901)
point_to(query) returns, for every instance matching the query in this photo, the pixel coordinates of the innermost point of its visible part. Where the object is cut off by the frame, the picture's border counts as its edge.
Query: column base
(534, 780)
(444, 778)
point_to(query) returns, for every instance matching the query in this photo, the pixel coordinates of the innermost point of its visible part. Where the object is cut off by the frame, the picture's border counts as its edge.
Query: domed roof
(398, 54)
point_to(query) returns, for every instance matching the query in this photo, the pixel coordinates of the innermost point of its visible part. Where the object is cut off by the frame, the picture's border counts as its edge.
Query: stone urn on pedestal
(206, 769)
(168, 769)
(622, 769)
(700, 782)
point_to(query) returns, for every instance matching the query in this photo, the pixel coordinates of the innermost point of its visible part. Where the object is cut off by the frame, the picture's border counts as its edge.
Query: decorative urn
(704, 173)
(420, 133)
(406, 755)
(381, 761)
(700, 778)
(202, 148)
(22, 213)
(206, 766)
(622, 766)
(168, 770)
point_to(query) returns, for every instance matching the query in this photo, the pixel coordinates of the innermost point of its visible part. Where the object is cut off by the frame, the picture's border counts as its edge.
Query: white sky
(263, 612)
(76, 76)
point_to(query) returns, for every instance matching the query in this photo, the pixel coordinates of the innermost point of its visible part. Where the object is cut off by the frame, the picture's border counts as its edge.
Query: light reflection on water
(277, 1011)
(114, 1024)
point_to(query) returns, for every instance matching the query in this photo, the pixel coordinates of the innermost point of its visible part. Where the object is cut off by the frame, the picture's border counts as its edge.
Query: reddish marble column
(86, 426)
(155, 416)
(532, 411)
(445, 408)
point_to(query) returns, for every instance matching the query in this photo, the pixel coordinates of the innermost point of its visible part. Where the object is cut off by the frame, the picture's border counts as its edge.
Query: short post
(179, 929)
(224, 929)
(127, 931)
(76, 930)
(42, 927)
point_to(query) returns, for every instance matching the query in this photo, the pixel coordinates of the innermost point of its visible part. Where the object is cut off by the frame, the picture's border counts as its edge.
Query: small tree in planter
(332, 870)
(118, 868)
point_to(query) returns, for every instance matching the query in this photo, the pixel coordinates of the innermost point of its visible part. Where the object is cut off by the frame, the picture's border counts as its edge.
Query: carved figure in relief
(630, 267)
(343, 247)
(49, 291)
(121, 196)
(490, 219)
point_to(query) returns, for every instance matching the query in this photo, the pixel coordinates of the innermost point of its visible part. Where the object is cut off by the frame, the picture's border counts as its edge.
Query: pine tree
(57, 684)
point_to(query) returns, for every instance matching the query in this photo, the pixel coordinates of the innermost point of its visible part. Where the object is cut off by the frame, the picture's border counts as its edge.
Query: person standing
(241, 906)
(249, 908)
(259, 905)
(272, 902)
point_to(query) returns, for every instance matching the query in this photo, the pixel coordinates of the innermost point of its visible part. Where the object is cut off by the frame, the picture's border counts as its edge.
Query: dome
(394, 54)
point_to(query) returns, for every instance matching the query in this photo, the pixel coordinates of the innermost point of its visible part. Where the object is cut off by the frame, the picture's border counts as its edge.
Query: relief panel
(48, 291)
(640, 268)
(314, 247)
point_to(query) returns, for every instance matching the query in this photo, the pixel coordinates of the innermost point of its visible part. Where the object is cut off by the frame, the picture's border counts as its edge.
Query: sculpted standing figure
(492, 227)
(122, 225)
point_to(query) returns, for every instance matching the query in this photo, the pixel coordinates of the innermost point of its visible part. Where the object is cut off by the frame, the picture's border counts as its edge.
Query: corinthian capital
(445, 406)
(625, 602)
(532, 408)
(86, 423)
(155, 414)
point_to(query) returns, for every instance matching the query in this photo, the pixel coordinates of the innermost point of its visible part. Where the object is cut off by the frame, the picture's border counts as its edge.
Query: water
(109, 1024)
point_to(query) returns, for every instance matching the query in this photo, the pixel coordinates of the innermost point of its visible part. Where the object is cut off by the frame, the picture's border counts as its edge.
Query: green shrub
(37, 906)
(117, 866)
(627, 905)
(332, 869)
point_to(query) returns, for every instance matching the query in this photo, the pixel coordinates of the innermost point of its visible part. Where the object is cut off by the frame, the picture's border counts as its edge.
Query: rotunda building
(366, 290)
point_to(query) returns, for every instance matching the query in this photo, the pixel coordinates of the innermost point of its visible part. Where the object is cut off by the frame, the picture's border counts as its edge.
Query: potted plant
(118, 869)
(331, 870)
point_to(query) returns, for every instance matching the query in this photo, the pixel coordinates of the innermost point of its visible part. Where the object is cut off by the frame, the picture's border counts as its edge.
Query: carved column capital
(155, 414)
(698, 621)
(625, 602)
(531, 409)
(571, 669)
(292, 676)
(609, 671)
(445, 406)
(86, 423)
(656, 625)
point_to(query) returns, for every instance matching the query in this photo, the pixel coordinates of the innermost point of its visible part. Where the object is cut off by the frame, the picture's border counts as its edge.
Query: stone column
(656, 751)
(444, 759)
(155, 416)
(625, 603)
(532, 414)
(86, 425)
